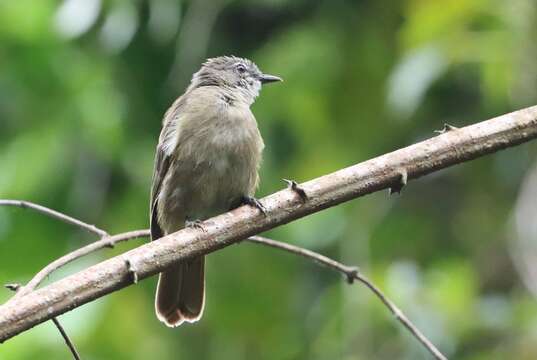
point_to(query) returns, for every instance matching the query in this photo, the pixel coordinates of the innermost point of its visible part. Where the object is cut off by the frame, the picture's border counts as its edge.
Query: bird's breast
(216, 162)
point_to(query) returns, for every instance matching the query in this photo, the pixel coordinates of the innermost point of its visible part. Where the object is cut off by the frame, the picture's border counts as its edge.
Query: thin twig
(68, 341)
(352, 273)
(54, 214)
(70, 344)
(105, 241)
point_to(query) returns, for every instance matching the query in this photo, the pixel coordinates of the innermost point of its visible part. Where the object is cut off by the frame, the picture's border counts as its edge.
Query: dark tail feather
(181, 293)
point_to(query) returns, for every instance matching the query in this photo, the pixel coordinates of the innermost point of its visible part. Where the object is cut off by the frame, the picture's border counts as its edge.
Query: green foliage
(82, 94)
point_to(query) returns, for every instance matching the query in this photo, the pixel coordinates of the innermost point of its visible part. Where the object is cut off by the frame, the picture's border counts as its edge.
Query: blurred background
(84, 85)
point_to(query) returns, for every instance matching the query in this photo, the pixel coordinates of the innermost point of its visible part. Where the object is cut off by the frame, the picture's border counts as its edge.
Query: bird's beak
(266, 78)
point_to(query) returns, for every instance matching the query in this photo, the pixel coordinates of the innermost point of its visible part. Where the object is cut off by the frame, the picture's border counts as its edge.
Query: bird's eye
(241, 68)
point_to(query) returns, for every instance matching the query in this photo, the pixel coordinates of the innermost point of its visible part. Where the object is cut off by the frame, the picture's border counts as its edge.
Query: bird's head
(234, 73)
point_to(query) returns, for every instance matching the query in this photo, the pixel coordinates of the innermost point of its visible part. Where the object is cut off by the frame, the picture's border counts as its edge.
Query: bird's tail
(181, 293)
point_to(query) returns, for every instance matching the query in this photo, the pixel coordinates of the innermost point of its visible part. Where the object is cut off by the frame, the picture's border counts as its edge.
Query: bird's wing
(163, 158)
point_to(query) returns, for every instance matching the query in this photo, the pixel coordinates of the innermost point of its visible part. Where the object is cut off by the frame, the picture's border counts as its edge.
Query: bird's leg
(252, 201)
(292, 185)
(194, 224)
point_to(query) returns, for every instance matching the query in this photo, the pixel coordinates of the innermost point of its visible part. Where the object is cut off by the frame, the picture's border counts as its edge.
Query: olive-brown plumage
(206, 163)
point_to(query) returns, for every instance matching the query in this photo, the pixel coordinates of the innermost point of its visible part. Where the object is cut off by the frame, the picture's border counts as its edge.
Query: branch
(352, 273)
(108, 241)
(54, 214)
(68, 342)
(387, 171)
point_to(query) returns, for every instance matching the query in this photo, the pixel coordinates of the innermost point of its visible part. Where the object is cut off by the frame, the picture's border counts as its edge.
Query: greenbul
(206, 163)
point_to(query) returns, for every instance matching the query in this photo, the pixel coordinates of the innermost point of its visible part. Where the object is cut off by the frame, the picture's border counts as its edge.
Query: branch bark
(63, 333)
(387, 171)
(108, 241)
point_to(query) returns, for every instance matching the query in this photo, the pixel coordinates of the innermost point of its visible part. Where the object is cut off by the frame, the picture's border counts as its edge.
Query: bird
(206, 163)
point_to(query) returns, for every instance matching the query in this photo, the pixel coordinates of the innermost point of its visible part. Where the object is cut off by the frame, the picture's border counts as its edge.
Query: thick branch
(383, 172)
(108, 241)
(63, 333)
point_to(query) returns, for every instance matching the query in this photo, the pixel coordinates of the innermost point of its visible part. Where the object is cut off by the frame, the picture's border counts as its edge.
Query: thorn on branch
(23, 204)
(446, 129)
(402, 181)
(110, 243)
(132, 271)
(293, 186)
(351, 273)
(13, 287)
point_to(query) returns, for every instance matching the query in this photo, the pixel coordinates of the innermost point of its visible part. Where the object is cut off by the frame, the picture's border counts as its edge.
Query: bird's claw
(252, 201)
(194, 224)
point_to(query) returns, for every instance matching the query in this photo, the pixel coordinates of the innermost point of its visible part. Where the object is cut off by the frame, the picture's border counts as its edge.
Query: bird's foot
(194, 224)
(292, 185)
(446, 129)
(252, 201)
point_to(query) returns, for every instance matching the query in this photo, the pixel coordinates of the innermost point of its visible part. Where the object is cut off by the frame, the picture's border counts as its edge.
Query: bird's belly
(219, 183)
(204, 185)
